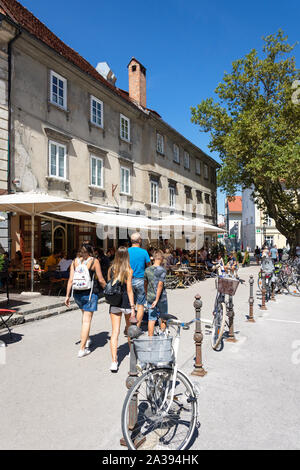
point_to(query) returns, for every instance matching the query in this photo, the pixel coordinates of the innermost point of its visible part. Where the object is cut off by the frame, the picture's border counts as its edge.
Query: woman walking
(121, 272)
(86, 299)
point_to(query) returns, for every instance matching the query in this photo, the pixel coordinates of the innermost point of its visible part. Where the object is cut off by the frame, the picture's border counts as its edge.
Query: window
(58, 90)
(205, 171)
(125, 180)
(96, 112)
(57, 160)
(269, 221)
(154, 192)
(199, 196)
(172, 195)
(176, 153)
(186, 160)
(198, 167)
(269, 239)
(124, 128)
(96, 171)
(207, 198)
(159, 143)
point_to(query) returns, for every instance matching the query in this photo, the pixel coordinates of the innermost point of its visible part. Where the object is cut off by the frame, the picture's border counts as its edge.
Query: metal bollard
(133, 332)
(198, 338)
(263, 292)
(251, 300)
(231, 338)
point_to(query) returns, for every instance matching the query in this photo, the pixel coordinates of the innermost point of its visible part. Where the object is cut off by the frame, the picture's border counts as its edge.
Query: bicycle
(160, 410)
(222, 308)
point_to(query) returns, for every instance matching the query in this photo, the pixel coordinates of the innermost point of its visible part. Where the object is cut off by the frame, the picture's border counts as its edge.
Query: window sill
(130, 196)
(160, 153)
(58, 179)
(177, 163)
(92, 125)
(60, 108)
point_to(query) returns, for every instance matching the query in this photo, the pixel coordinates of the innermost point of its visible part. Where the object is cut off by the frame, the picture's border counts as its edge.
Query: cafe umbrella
(36, 203)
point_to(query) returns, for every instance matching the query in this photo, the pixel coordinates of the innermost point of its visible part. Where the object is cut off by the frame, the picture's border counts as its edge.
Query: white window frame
(56, 175)
(176, 154)
(154, 192)
(125, 170)
(172, 197)
(122, 117)
(198, 170)
(205, 171)
(160, 143)
(93, 98)
(186, 160)
(97, 159)
(65, 90)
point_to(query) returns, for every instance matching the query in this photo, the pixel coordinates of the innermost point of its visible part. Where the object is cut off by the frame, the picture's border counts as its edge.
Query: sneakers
(84, 352)
(114, 367)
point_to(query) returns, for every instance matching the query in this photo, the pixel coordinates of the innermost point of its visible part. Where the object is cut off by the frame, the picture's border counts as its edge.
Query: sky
(185, 45)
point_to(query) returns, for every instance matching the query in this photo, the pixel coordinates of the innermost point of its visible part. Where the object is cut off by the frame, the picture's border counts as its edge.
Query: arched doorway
(59, 239)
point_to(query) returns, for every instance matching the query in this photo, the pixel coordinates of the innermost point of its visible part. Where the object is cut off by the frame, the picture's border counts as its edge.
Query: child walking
(157, 301)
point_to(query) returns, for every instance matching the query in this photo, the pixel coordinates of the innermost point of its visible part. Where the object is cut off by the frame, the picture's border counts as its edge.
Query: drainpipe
(9, 51)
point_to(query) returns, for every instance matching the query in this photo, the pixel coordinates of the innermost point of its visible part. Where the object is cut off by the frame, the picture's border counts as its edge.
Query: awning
(35, 203)
(131, 221)
(110, 219)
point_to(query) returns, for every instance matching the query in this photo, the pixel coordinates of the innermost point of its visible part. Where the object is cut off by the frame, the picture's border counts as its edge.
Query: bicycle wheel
(148, 400)
(218, 325)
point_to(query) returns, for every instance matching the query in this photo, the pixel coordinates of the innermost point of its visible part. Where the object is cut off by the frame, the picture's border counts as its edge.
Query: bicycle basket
(154, 349)
(227, 286)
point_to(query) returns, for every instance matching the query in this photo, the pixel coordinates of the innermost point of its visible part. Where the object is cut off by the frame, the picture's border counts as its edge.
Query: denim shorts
(154, 313)
(138, 290)
(84, 303)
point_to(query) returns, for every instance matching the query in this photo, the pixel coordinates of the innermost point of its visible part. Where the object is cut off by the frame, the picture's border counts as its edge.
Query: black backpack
(113, 293)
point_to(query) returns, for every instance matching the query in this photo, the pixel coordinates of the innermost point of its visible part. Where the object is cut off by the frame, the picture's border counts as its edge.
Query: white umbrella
(34, 203)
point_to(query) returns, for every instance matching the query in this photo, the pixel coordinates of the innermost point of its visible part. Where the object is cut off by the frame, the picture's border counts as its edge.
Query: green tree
(255, 127)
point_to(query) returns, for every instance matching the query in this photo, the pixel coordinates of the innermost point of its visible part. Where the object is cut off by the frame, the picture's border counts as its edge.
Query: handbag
(113, 293)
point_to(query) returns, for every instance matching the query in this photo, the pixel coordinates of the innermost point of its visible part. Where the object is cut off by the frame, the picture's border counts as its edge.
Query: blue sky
(186, 45)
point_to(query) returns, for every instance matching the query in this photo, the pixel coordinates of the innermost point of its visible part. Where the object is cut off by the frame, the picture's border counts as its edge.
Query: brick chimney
(137, 82)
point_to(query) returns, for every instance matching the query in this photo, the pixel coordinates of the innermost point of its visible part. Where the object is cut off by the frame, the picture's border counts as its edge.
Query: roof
(235, 204)
(28, 22)
(24, 18)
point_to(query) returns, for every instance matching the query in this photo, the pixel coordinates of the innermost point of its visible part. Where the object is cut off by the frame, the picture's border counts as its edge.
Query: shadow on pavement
(10, 339)
(123, 351)
(99, 340)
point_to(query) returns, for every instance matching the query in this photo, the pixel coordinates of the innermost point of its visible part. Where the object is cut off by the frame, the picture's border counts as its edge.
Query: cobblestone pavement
(249, 398)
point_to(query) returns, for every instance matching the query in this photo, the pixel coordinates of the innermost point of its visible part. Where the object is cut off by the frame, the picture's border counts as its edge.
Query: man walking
(139, 260)
(274, 254)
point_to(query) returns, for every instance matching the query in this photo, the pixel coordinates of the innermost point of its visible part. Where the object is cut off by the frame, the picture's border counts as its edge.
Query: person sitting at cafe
(52, 261)
(64, 267)
(231, 265)
(219, 264)
(185, 259)
(202, 255)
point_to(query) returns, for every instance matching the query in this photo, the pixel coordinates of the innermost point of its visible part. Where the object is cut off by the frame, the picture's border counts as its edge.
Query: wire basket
(227, 286)
(154, 350)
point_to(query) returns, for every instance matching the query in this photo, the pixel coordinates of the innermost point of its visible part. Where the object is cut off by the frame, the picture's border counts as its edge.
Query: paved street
(249, 398)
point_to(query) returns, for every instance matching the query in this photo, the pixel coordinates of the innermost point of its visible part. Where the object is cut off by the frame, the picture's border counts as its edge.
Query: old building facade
(66, 129)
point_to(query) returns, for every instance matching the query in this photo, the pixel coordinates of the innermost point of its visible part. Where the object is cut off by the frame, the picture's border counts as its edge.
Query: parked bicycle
(163, 398)
(223, 308)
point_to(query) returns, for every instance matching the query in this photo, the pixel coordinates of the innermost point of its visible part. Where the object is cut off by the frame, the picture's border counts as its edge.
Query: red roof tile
(23, 17)
(235, 204)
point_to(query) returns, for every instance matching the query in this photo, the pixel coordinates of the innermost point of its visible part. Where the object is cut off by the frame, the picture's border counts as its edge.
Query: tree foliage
(255, 127)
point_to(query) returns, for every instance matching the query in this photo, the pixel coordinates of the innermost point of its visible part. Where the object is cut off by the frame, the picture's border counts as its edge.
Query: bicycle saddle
(167, 316)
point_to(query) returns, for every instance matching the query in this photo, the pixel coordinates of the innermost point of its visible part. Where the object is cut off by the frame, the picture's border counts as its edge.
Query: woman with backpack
(86, 290)
(120, 273)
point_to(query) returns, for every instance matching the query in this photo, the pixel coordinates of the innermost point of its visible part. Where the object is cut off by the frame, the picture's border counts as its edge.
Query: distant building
(233, 219)
(257, 228)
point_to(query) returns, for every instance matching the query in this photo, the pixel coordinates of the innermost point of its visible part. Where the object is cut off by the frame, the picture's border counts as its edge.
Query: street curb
(46, 313)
